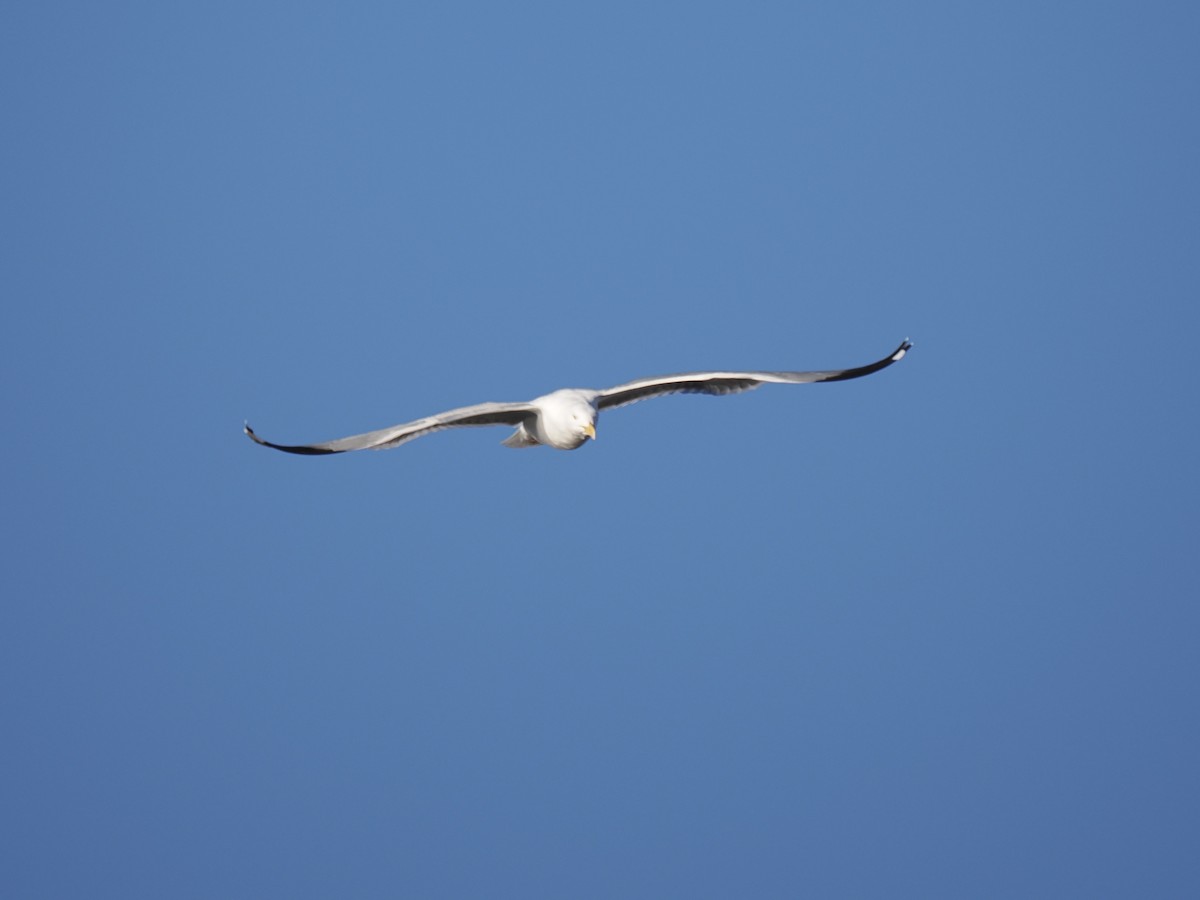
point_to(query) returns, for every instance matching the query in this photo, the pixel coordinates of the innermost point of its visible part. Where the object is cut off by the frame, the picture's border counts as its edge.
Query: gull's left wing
(731, 382)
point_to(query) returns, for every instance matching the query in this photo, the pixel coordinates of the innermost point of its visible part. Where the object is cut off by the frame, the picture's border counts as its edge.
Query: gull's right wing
(386, 438)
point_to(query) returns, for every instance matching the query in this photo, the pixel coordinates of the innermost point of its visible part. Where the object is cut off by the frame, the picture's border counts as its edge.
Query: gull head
(586, 426)
(567, 418)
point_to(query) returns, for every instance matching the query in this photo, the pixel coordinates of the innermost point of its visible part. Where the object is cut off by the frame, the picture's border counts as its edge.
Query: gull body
(566, 418)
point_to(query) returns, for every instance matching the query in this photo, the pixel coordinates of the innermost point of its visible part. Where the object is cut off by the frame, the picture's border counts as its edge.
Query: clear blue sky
(927, 634)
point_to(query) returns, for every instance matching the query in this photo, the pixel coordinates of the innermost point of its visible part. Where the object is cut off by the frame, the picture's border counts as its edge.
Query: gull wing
(386, 438)
(731, 382)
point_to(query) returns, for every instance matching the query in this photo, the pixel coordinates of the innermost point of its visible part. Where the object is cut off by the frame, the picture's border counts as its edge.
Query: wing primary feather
(860, 371)
(306, 450)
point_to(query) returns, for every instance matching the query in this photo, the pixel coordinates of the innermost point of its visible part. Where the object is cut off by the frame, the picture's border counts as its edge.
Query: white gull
(566, 418)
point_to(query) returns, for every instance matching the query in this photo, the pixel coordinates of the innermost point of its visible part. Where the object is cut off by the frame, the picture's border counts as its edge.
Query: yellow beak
(590, 431)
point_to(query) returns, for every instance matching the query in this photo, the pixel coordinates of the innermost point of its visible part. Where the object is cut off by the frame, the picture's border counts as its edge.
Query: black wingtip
(301, 450)
(847, 374)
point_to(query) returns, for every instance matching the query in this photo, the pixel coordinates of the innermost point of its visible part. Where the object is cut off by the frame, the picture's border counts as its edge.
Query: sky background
(932, 633)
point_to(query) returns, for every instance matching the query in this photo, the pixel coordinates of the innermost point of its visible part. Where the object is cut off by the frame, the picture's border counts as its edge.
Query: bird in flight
(566, 418)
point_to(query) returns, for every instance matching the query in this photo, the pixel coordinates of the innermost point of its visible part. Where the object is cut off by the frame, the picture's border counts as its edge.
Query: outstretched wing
(386, 438)
(730, 382)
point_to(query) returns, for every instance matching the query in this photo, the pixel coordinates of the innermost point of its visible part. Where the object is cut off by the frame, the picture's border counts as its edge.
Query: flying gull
(566, 418)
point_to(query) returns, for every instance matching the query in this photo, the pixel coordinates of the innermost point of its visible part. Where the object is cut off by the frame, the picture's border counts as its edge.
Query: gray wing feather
(386, 438)
(731, 382)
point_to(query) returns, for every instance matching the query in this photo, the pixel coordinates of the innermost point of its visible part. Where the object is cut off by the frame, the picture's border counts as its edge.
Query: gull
(566, 418)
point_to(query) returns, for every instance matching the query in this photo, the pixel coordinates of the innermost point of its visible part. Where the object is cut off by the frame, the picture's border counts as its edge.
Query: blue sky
(926, 634)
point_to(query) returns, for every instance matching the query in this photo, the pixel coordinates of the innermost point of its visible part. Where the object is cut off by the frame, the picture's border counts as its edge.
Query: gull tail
(520, 438)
